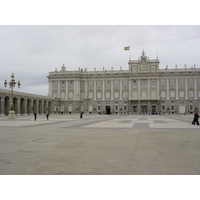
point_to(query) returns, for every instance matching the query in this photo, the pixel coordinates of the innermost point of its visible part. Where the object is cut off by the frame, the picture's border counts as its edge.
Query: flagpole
(130, 54)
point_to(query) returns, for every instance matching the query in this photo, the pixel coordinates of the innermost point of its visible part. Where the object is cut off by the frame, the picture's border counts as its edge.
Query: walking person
(47, 116)
(81, 115)
(35, 116)
(196, 118)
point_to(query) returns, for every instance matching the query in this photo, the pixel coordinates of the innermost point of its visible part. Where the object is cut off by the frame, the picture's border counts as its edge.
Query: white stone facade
(143, 88)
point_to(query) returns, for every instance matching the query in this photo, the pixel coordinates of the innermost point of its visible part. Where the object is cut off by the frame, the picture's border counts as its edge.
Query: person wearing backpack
(196, 118)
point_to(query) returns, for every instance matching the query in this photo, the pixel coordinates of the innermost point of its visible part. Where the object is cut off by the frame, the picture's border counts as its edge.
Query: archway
(45, 107)
(40, 107)
(15, 105)
(29, 108)
(34, 106)
(7, 105)
(22, 106)
(49, 107)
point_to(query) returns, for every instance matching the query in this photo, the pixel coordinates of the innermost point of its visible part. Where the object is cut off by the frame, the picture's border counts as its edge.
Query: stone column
(66, 91)
(103, 90)
(167, 88)
(130, 89)
(95, 90)
(186, 89)
(139, 83)
(59, 89)
(111, 90)
(195, 88)
(86, 89)
(148, 88)
(177, 88)
(158, 89)
(120, 90)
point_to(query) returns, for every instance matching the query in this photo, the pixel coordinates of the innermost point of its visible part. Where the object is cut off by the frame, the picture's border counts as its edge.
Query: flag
(127, 48)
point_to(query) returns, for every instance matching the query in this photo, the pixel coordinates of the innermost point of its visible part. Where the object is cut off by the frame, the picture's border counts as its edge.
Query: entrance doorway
(181, 109)
(153, 110)
(107, 110)
(134, 109)
(144, 109)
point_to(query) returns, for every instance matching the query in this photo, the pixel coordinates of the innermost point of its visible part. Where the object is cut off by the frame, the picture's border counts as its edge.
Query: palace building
(142, 89)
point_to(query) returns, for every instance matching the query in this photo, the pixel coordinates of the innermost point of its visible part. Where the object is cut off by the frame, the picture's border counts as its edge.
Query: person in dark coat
(196, 118)
(47, 116)
(35, 116)
(81, 115)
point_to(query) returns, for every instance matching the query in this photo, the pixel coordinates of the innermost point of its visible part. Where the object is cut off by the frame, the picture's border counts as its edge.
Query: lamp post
(12, 84)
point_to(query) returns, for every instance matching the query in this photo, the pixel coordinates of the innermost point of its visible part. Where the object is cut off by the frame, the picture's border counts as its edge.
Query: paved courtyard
(100, 145)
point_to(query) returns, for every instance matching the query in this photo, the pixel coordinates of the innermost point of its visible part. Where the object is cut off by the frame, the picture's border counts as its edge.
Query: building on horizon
(142, 89)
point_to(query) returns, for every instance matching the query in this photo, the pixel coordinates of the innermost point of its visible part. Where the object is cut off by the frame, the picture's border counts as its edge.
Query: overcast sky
(31, 52)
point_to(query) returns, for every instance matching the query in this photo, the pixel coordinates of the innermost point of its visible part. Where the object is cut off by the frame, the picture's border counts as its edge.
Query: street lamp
(12, 84)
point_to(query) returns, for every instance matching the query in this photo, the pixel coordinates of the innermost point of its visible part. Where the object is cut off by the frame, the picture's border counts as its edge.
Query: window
(135, 94)
(116, 82)
(90, 95)
(191, 94)
(144, 83)
(98, 95)
(55, 83)
(125, 108)
(107, 95)
(82, 95)
(125, 82)
(163, 94)
(116, 95)
(163, 107)
(181, 80)
(172, 94)
(125, 95)
(62, 95)
(107, 82)
(134, 81)
(153, 94)
(70, 82)
(190, 80)
(172, 80)
(116, 107)
(90, 82)
(98, 82)
(162, 81)
(71, 95)
(181, 94)
(144, 94)
(172, 107)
